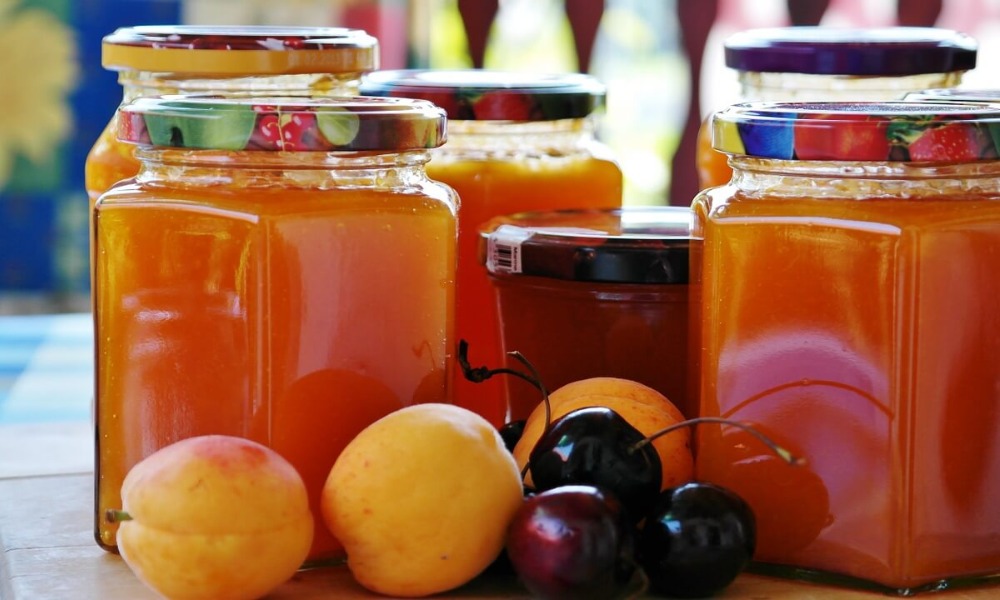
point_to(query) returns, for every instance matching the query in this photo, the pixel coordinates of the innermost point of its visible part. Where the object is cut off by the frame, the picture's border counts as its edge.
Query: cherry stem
(116, 516)
(783, 453)
(481, 374)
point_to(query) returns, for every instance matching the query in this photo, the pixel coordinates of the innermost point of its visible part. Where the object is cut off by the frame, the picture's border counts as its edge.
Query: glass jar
(592, 293)
(849, 311)
(817, 63)
(517, 142)
(189, 59)
(290, 288)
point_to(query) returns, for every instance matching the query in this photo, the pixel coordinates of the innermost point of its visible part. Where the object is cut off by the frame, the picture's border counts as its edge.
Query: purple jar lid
(819, 50)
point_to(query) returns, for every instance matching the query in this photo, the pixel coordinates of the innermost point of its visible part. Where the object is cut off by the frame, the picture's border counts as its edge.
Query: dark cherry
(596, 446)
(511, 433)
(696, 540)
(572, 542)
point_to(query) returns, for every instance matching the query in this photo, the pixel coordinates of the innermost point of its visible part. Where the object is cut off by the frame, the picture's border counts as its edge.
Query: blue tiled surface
(46, 368)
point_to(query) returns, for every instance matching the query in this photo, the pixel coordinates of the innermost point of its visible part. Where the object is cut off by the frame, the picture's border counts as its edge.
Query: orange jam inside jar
(806, 64)
(849, 311)
(516, 142)
(190, 59)
(289, 289)
(595, 293)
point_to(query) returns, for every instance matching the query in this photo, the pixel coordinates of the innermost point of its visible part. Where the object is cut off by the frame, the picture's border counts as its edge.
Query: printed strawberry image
(956, 141)
(842, 136)
(504, 106)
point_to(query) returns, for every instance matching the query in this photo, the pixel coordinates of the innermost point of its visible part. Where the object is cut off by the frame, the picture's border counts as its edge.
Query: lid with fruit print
(323, 124)
(844, 51)
(624, 245)
(484, 95)
(239, 50)
(933, 132)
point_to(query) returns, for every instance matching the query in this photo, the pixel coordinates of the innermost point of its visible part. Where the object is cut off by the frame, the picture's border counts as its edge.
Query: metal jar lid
(484, 95)
(879, 51)
(644, 245)
(925, 132)
(282, 124)
(239, 50)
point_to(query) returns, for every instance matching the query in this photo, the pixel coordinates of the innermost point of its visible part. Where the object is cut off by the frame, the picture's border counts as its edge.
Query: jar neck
(755, 177)
(299, 170)
(808, 87)
(138, 84)
(505, 139)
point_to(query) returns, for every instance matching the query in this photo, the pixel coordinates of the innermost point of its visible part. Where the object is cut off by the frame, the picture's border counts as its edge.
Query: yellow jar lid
(243, 50)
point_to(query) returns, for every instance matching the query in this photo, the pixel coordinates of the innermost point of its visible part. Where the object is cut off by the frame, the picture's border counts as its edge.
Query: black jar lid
(879, 51)
(485, 95)
(625, 245)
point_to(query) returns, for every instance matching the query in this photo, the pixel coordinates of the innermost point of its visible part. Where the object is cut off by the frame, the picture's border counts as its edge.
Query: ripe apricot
(421, 499)
(642, 406)
(214, 517)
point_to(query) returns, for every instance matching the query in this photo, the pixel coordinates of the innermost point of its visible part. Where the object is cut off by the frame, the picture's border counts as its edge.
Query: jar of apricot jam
(849, 311)
(595, 293)
(805, 64)
(190, 59)
(289, 289)
(517, 142)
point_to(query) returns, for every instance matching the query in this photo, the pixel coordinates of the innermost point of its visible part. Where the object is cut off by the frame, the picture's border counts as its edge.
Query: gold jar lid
(242, 50)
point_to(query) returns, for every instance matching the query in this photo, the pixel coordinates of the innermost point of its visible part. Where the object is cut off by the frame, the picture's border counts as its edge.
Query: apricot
(641, 406)
(214, 517)
(421, 500)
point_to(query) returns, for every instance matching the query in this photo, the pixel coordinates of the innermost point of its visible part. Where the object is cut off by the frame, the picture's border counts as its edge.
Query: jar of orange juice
(849, 312)
(517, 142)
(191, 59)
(280, 269)
(804, 64)
(595, 293)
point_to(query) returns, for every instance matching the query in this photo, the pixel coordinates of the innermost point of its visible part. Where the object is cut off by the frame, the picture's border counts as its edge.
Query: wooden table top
(49, 553)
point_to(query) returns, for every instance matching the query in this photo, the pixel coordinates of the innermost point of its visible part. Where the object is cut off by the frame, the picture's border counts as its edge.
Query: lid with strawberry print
(865, 131)
(323, 124)
(484, 95)
(877, 51)
(240, 50)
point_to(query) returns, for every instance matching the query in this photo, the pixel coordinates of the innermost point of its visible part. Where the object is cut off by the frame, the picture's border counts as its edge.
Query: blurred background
(661, 60)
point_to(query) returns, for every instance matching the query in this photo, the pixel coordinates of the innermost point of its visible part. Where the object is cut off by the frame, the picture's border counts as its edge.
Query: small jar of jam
(516, 142)
(280, 269)
(849, 312)
(191, 59)
(595, 293)
(806, 64)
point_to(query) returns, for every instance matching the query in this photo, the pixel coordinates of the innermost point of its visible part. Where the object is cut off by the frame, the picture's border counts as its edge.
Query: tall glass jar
(805, 64)
(189, 59)
(280, 269)
(850, 285)
(517, 142)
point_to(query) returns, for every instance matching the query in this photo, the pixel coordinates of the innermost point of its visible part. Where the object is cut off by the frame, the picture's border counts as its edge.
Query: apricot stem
(116, 516)
(783, 453)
